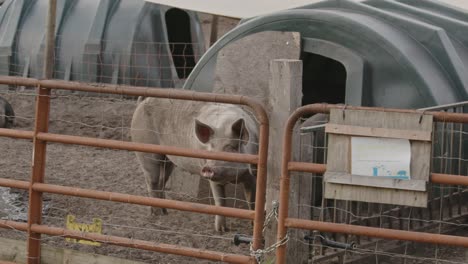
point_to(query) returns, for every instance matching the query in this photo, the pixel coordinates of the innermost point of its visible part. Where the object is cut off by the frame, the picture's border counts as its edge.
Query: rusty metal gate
(37, 187)
(445, 171)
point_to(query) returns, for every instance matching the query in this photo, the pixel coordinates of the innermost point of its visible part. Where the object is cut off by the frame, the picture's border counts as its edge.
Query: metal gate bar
(40, 137)
(142, 147)
(142, 200)
(145, 245)
(287, 165)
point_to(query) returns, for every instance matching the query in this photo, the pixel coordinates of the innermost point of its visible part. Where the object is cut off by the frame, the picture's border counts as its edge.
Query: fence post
(39, 150)
(49, 54)
(38, 170)
(214, 30)
(285, 97)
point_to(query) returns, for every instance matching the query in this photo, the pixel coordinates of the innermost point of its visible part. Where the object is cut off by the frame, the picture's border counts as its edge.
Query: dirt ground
(106, 170)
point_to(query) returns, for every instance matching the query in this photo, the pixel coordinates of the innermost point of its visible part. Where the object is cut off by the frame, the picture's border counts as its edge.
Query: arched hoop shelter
(130, 42)
(402, 53)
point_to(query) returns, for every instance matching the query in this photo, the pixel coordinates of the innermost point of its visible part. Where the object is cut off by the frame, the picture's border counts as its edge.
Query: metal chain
(271, 214)
(259, 253)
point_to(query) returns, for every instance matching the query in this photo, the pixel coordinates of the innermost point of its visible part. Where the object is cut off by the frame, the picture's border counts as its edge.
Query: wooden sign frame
(340, 184)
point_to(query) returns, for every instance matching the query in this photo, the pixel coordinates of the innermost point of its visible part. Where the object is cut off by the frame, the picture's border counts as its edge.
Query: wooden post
(50, 41)
(39, 150)
(214, 30)
(285, 97)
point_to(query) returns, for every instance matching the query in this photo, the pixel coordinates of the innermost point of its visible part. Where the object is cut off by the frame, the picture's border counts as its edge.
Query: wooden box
(340, 184)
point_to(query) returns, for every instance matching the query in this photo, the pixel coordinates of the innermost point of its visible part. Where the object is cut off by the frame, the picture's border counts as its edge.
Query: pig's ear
(203, 131)
(240, 131)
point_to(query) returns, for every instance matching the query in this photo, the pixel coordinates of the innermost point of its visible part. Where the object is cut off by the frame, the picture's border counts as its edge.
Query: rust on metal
(287, 165)
(285, 182)
(141, 244)
(143, 200)
(14, 133)
(39, 150)
(7, 224)
(378, 232)
(260, 196)
(38, 170)
(449, 179)
(151, 148)
(24, 185)
(307, 167)
(179, 94)
(41, 136)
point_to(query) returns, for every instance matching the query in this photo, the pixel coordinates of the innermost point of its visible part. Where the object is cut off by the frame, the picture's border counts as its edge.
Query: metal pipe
(37, 175)
(14, 225)
(210, 97)
(142, 200)
(151, 148)
(145, 245)
(307, 167)
(438, 116)
(14, 133)
(285, 177)
(39, 151)
(331, 243)
(385, 233)
(179, 94)
(24, 185)
(445, 106)
(449, 179)
(242, 239)
(260, 195)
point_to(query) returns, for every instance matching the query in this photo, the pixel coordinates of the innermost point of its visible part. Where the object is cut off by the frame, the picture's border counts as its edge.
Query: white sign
(381, 157)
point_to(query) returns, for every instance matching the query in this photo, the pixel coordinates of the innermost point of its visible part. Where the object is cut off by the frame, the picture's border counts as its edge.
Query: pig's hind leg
(157, 169)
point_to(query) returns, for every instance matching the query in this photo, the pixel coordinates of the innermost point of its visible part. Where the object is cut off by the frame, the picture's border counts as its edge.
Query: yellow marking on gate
(95, 227)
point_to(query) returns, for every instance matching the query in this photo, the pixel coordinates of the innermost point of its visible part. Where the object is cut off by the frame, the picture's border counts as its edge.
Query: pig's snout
(207, 172)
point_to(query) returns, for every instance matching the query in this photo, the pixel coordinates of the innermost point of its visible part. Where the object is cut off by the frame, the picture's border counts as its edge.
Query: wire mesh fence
(99, 116)
(136, 63)
(446, 212)
(96, 115)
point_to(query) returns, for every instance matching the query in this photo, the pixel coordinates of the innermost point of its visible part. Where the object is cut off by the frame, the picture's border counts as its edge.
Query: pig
(196, 125)
(7, 115)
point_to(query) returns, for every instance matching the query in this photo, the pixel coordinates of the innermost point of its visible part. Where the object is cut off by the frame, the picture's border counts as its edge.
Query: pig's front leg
(250, 190)
(219, 195)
